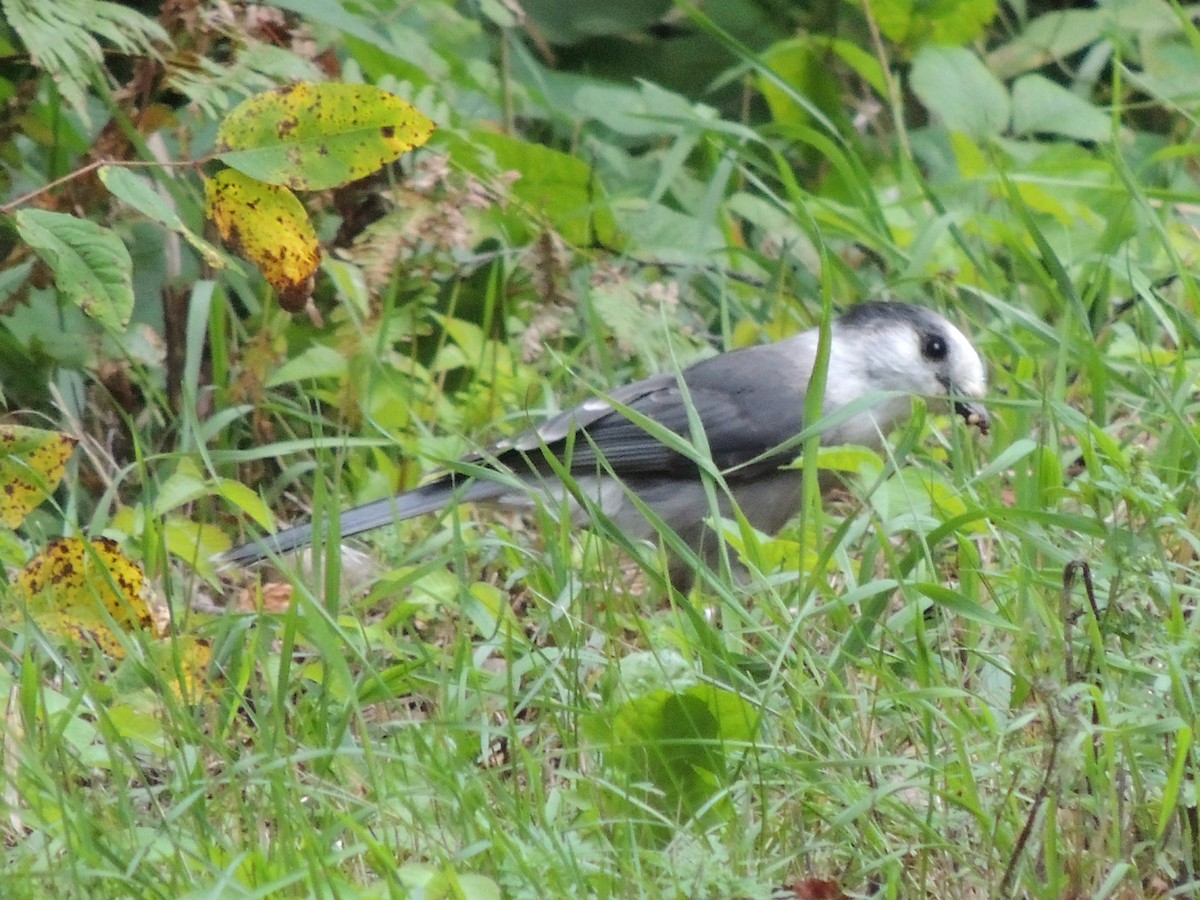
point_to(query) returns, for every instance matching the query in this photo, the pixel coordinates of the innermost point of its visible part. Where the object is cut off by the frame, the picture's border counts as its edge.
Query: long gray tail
(408, 505)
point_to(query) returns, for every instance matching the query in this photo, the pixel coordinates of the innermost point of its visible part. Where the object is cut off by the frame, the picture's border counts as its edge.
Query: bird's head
(900, 347)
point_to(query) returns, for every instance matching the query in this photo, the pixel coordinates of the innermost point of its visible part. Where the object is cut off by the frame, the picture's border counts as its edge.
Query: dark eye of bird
(933, 346)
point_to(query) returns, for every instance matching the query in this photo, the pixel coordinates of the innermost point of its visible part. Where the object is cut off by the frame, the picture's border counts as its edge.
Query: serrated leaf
(61, 38)
(32, 462)
(267, 225)
(141, 194)
(315, 136)
(91, 266)
(956, 87)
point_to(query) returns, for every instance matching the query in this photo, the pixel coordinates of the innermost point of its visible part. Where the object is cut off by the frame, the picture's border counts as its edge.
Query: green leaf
(91, 266)
(1039, 106)
(1007, 458)
(956, 87)
(554, 186)
(570, 23)
(141, 194)
(803, 64)
(948, 22)
(317, 361)
(848, 458)
(317, 136)
(61, 38)
(188, 484)
(1171, 791)
(681, 741)
(961, 606)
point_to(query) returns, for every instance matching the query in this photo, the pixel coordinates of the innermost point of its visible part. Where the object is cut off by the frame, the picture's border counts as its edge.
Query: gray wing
(748, 402)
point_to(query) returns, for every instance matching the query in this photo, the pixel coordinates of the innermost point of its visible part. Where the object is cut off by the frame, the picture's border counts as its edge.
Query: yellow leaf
(317, 136)
(78, 589)
(31, 466)
(267, 225)
(182, 663)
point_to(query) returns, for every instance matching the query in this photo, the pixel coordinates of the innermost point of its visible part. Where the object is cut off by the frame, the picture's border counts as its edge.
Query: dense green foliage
(973, 674)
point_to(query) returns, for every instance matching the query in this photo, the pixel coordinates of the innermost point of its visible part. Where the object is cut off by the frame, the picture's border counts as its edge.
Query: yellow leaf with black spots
(32, 462)
(181, 663)
(267, 225)
(81, 590)
(310, 137)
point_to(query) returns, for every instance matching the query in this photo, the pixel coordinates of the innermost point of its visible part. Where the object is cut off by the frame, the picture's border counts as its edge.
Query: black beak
(973, 414)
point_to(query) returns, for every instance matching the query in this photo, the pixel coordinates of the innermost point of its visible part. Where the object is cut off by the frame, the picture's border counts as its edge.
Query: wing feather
(746, 412)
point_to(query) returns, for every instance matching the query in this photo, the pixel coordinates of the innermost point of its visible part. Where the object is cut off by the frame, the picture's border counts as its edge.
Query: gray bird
(750, 406)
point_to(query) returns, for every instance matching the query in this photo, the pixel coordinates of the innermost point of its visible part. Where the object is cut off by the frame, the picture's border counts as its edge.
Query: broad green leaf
(945, 22)
(1170, 71)
(91, 266)
(681, 741)
(317, 136)
(1039, 106)
(1048, 38)
(666, 234)
(188, 484)
(802, 64)
(555, 186)
(193, 541)
(570, 23)
(430, 881)
(851, 458)
(267, 225)
(32, 462)
(318, 361)
(956, 87)
(141, 194)
(864, 64)
(237, 494)
(636, 112)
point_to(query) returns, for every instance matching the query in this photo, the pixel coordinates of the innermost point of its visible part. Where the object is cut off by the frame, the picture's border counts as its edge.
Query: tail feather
(409, 505)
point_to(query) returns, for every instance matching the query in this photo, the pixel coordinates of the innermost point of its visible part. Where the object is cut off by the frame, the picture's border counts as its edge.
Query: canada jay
(749, 404)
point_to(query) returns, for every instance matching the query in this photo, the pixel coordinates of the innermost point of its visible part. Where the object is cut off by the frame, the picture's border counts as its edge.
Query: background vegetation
(972, 675)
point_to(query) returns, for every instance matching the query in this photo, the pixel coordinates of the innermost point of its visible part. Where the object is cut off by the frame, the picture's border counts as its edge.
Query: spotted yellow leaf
(80, 590)
(181, 661)
(316, 136)
(267, 225)
(32, 462)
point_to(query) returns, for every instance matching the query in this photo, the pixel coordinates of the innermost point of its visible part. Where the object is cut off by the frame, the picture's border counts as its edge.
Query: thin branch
(95, 164)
